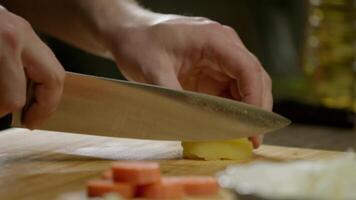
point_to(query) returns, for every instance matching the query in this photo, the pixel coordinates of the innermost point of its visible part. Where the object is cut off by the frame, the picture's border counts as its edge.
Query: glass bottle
(330, 52)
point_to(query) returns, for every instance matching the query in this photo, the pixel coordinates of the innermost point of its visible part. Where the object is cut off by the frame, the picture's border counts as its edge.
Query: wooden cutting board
(51, 165)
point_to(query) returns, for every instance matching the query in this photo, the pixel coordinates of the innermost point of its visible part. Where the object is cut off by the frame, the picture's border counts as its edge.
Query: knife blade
(106, 107)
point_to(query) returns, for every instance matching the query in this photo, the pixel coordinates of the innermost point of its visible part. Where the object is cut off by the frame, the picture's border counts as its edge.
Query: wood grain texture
(51, 165)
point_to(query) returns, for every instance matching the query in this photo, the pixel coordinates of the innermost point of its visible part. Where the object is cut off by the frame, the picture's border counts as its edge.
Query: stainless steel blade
(98, 106)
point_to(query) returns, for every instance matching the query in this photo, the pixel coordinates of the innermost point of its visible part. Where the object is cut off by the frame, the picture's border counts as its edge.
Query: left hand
(191, 53)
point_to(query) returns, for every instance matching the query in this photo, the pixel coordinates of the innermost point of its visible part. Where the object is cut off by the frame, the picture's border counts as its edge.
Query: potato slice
(239, 149)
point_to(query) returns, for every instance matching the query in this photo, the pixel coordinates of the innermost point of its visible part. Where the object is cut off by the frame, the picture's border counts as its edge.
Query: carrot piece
(98, 188)
(136, 173)
(198, 185)
(165, 189)
(108, 175)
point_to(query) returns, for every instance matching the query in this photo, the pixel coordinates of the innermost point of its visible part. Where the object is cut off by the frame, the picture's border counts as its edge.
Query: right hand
(190, 53)
(24, 56)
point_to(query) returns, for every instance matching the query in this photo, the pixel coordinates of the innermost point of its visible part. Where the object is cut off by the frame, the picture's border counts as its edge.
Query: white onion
(332, 179)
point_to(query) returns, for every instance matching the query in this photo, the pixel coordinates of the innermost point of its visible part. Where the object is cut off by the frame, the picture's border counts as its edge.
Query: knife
(99, 106)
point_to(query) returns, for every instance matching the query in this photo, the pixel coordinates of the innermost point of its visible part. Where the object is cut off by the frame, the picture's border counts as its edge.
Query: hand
(194, 54)
(24, 56)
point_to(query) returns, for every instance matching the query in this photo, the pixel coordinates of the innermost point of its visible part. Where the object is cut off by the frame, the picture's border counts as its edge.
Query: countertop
(52, 165)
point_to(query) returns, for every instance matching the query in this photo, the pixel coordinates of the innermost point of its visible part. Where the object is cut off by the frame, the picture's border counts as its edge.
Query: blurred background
(307, 46)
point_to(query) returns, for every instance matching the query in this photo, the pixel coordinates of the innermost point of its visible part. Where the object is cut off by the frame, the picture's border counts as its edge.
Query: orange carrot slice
(136, 173)
(165, 189)
(198, 185)
(107, 175)
(98, 188)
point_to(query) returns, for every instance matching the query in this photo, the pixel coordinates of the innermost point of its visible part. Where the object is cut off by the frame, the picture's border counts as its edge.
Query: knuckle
(12, 29)
(256, 59)
(229, 29)
(214, 25)
(21, 23)
(61, 77)
(8, 30)
(201, 19)
(256, 69)
(161, 29)
(57, 78)
(255, 65)
(268, 80)
(9, 35)
(25, 25)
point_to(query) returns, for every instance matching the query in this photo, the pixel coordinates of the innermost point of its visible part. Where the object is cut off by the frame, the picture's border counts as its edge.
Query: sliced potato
(239, 149)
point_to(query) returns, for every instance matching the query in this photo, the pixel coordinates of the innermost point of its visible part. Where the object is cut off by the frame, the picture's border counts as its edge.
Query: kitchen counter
(51, 165)
(314, 137)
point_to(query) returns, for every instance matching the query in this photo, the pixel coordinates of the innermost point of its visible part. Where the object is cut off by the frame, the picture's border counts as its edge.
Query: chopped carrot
(198, 185)
(136, 173)
(165, 189)
(107, 175)
(98, 188)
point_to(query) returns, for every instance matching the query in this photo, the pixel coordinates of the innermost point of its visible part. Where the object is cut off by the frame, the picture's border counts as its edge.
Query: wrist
(113, 23)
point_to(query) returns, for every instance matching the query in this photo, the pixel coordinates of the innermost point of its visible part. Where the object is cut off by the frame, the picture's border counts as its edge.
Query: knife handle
(17, 117)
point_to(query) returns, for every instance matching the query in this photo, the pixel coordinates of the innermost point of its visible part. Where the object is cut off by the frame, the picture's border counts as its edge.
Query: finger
(239, 64)
(267, 99)
(12, 82)
(46, 72)
(234, 35)
(251, 87)
(267, 104)
(256, 141)
(165, 77)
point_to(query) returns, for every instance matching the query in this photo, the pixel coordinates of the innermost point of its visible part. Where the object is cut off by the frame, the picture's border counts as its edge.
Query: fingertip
(36, 115)
(29, 121)
(267, 102)
(29, 126)
(256, 141)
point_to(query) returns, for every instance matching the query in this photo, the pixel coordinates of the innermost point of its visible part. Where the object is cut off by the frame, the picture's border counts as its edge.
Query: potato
(239, 149)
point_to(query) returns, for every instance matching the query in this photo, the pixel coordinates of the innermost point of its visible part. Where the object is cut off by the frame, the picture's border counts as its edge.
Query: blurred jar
(329, 59)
